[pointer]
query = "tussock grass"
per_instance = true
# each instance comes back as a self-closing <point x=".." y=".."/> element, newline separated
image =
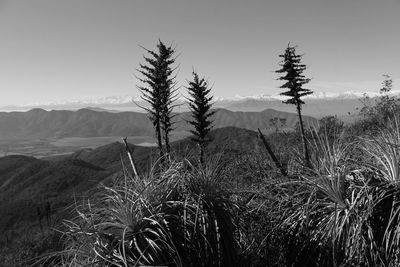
<point x="384" y="152"/>
<point x="180" y="216"/>
<point x="343" y="210"/>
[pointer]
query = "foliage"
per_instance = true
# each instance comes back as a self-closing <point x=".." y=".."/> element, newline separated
<point x="294" y="79"/>
<point x="342" y="213"/>
<point x="174" y="218"/>
<point x="378" y="113"/>
<point x="159" y="91"/>
<point x="277" y="123"/>
<point x="331" y="127"/>
<point x="384" y="152"/>
<point x="200" y="106"/>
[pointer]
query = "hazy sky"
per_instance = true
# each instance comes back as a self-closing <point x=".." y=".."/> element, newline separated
<point x="55" y="50"/>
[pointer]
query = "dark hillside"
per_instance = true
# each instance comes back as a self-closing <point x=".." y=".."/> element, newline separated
<point x="109" y="156"/>
<point x="27" y="182"/>
<point x="227" y="139"/>
<point x="24" y="177"/>
<point x="44" y="179"/>
<point x="10" y="164"/>
<point x="32" y="184"/>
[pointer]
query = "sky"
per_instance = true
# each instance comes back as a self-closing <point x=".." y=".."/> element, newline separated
<point x="62" y="50"/>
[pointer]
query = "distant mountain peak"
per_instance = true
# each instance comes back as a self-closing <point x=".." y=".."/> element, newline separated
<point x="316" y="95"/>
<point x="101" y="102"/>
<point x="316" y="104"/>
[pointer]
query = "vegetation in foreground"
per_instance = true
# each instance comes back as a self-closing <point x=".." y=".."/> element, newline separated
<point x="337" y="206"/>
<point x="342" y="211"/>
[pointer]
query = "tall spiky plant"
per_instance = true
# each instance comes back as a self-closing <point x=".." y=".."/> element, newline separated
<point x="159" y="91"/>
<point x="293" y="70"/>
<point x="200" y="106"/>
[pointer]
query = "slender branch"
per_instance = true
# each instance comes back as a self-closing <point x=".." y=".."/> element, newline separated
<point x="271" y="153"/>
<point x="129" y="152"/>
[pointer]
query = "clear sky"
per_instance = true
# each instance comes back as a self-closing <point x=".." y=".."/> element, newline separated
<point x="55" y="50"/>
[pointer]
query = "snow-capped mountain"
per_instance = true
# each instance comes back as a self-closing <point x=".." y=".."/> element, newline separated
<point x="317" y="95"/>
<point x="318" y="104"/>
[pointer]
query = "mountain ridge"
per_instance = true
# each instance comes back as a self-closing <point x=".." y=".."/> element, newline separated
<point x="39" y="123"/>
<point x="130" y="99"/>
<point x="317" y="105"/>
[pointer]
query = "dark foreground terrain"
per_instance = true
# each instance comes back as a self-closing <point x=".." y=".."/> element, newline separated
<point x="36" y="194"/>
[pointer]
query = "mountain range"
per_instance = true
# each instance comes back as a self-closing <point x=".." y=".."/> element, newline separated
<point x="39" y="123"/>
<point x="317" y="104"/>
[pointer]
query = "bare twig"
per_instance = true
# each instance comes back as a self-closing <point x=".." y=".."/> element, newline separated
<point x="271" y="153"/>
<point x="128" y="151"/>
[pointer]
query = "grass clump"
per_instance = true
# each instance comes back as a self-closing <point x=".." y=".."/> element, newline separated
<point x="177" y="217"/>
<point x="341" y="209"/>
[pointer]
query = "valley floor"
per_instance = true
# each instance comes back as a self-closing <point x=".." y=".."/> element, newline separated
<point x="41" y="148"/>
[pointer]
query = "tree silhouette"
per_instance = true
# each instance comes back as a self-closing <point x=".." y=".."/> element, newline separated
<point x="292" y="70"/>
<point x="200" y="106"/>
<point x="159" y="91"/>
